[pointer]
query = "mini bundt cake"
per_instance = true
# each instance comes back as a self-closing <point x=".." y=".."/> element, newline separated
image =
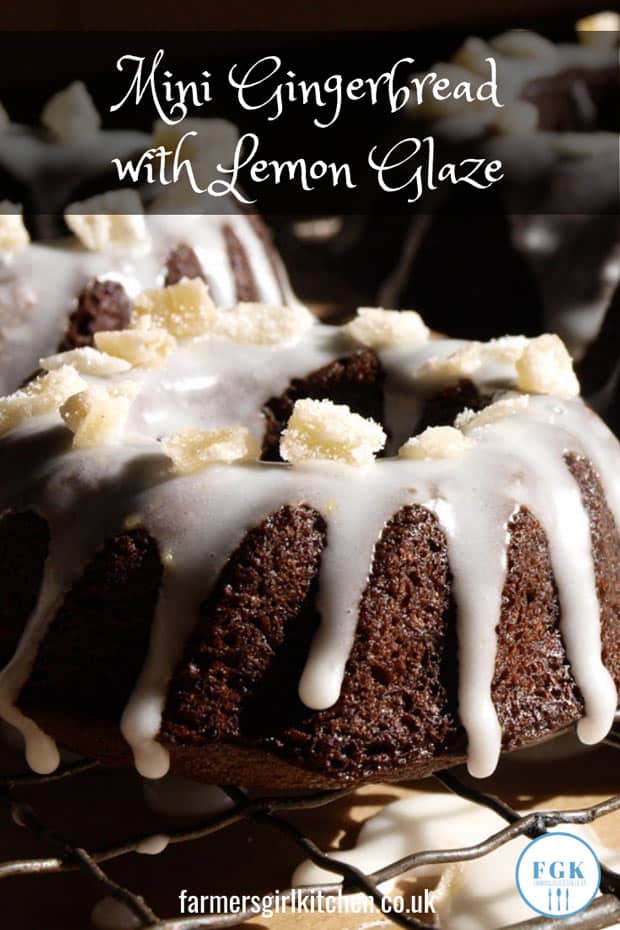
<point x="254" y="548"/>
<point x="545" y="240"/>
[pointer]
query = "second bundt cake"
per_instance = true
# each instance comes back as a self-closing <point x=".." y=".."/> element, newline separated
<point x="58" y="294"/>
<point x="543" y="243"/>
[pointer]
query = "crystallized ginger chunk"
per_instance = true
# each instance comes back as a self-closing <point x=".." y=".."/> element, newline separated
<point x="499" y="410"/>
<point x="460" y="364"/>
<point x="436" y="442"/>
<point x="13" y="234"/>
<point x="112" y="219"/>
<point x="320" y="429"/>
<point x="377" y="328"/>
<point x="545" y="367"/>
<point x="466" y="361"/>
<point x="263" y="324"/>
<point x="142" y="348"/>
<point x="70" y="115"/>
<point x="194" y="449"/>
<point x="43" y="395"/>
<point x="97" y="416"/>
<point x="506" y="349"/>
<point x="184" y="309"/>
<point x="87" y="361"/>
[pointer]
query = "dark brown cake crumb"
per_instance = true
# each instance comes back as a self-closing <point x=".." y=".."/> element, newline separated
<point x="182" y="262"/>
<point x="399" y="694"/>
<point x="606" y="552"/>
<point x="102" y="305"/>
<point x="93" y="652"/>
<point x="24" y="541"/>
<point x="245" y="283"/>
<point x="533" y="689"/>
<point x="355" y="380"/>
<point x="253" y="634"/>
<point x="241" y="670"/>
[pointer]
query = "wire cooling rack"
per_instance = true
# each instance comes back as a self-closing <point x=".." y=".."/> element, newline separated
<point x="271" y="812"/>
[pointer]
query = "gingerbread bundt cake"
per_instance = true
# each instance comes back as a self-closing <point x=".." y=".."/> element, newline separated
<point x="251" y="547"/>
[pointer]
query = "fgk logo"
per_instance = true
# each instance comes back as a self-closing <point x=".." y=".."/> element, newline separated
<point x="558" y="874"/>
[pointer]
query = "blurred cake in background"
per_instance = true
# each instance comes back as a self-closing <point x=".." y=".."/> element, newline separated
<point x="57" y="291"/>
<point x="541" y="252"/>
<point x="65" y="158"/>
<point x="554" y="224"/>
<point x="57" y="294"/>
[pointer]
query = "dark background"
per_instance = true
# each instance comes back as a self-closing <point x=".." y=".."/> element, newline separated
<point x="285" y="14"/>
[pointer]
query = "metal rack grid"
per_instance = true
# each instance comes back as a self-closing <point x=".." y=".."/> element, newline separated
<point x="270" y="812"/>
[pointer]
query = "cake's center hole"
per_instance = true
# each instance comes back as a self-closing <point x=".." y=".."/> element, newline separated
<point x="577" y="100"/>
